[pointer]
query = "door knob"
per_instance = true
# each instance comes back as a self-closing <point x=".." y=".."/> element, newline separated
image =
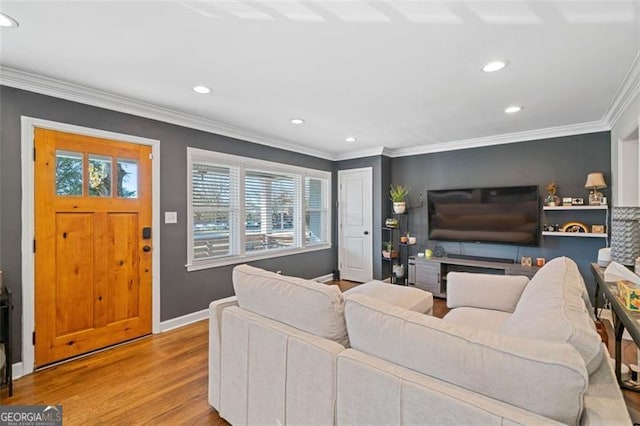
<point x="366" y="232"/>
<point x="146" y="248"/>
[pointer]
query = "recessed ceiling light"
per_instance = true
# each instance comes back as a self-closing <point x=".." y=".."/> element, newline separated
<point x="513" y="109"/>
<point x="7" y="21"/>
<point x="202" y="89"/>
<point x="351" y="139"/>
<point x="494" y="66"/>
<point x="297" y="121"/>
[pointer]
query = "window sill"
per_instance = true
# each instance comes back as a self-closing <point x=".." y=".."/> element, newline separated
<point x="235" y="260"/>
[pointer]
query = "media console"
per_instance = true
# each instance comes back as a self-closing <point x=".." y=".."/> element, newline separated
<point x="486" y="259"/>
<point x="430" y="273"/>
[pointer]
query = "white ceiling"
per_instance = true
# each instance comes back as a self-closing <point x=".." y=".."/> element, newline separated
<point x="404" y="75"/>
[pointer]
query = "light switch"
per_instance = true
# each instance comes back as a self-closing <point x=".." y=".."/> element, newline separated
<point x="170" y="217"/>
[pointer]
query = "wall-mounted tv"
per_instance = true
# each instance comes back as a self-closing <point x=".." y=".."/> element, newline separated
<point x="502" y="215"/>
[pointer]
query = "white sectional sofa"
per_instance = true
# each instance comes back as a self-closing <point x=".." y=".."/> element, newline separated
<point x="273" y="347"/>
<point x="511" y="351"/>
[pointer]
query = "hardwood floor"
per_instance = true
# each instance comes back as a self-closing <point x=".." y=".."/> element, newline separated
<point x="160" y="379"/>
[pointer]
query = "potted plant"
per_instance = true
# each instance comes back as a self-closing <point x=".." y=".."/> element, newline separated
<point x="388" y="252"/>
<point x="398" y="270"/>
<point x="552" y="199"/>
<point x="398" y="195"/>
<point x="411" y="240"/>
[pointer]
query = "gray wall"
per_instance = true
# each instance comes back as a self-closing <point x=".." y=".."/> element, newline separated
<point x="182" y="292"/>
<point x="566" y="160"/>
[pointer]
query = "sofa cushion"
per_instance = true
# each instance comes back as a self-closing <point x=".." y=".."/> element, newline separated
<point x="502" y="367"/>
<point x="306" y="305"/>
<point x="410" y="298"/>
<point x="487" y="319"/>
<point x="552" y="307"/>
<point x="498" y="292"/>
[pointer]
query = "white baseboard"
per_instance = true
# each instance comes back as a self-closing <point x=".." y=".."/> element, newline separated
<point x="17" y="370"/>
<point x="184" y="320"/>
<point x="324" y="278"/>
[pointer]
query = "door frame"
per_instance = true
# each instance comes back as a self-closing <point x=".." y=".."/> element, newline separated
<point x="28" y="125"/>
<point x="341" y="173"/>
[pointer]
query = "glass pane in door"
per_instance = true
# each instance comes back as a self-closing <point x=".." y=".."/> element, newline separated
<point x="99" y="176"/>
<point x="127" y="175"/>
<point x="68" y="173"/>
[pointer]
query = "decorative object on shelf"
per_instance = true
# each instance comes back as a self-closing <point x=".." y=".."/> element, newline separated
<point x="552" y="198"/>
<point x="398" y="195"/>
<point x="577" y="201"/>
<point x="398" y="270"/>
<point x="540" y="261"/>
<point x="574" y="227"/>
<point x="625" y="234"/>
<point x="412" y="240"/>
<point x="439" y="251"/>
<point x="567" y="201"/>
<point x="594" y="182"/>
<point x="404" y="239"/>
<point x="597" y="229"/>
<point x="388" y="252"/>
<point x="428" y="253"/>
<point x="391" y="222"/>
<point x="526" y="261"/>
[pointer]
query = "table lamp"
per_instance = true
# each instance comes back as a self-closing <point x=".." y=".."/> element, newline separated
<point x="594" y="182"/>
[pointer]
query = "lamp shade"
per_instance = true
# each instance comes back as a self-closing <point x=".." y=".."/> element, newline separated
<point x="595" y="181"/>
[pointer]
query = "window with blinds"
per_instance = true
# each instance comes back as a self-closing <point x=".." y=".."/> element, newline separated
<point x="316" y="215"/>
<point x="214" y="210"/>
<point x="243" y="208"/>
<point x="270" y="211"/>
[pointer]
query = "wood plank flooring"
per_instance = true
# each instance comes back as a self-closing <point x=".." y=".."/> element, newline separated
<point x="160" y="379"/>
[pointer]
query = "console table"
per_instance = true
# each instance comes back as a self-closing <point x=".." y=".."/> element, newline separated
<point x="430" y="273"/>
<point x="622" y="319"/>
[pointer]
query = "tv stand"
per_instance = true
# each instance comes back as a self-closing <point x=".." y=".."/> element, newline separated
<point x="482" y="258"/>
<point x="430" y="273"/>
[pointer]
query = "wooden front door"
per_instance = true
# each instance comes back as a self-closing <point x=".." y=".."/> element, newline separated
<point x="92" y="251"/>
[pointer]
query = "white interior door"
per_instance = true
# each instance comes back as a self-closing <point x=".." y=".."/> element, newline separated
<point x="355" y="224"/>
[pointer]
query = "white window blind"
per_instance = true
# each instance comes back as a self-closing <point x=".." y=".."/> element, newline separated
<point x="316" y="194"/>
<point x="241" y="209"/>
<point x="214" y="210"/>
<point x="270" y="211"/>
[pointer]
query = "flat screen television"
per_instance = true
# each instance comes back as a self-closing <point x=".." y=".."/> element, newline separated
<point x="502" y="215"/>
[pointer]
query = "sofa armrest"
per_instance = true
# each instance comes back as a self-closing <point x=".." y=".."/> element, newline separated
<point x="215" y="334"/>
<point x="486" y="291"/>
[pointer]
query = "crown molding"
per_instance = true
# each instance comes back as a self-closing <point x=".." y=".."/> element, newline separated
<point x="77" y="93"/>
<point x="361" y="153"/>
<point x="526" y="136"/>
<point x="628" y="90"/>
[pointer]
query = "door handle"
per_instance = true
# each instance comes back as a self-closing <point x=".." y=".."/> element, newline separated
<point x="146" y="248"/>
<point x="366" y="232"/>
